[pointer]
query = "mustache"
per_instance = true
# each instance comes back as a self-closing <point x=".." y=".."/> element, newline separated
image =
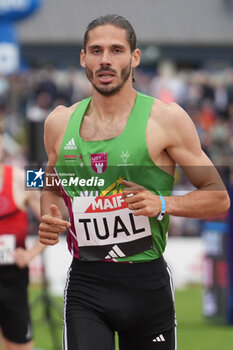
<point x="105" y="69"/>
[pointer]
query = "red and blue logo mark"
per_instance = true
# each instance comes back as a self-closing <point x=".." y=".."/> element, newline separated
<point x="35" y="178"/>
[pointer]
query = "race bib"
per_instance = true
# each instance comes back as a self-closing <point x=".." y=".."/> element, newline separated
<point x="107" y="229"/>
<point x="7" y="246"/>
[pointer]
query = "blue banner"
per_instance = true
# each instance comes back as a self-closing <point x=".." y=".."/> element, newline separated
<point x="12" y="11"/>
<point x="17" y="9"/>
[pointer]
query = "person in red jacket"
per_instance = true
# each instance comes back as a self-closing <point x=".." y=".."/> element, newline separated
<point x="15" y="324"/>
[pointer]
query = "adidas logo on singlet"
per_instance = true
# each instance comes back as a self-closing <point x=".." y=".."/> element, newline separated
<point x="70" y="145"/>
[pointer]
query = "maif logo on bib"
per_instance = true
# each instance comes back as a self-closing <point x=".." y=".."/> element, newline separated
<point x="99" y="162"/>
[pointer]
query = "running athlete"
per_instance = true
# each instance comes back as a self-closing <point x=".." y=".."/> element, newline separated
<point x="15" y="324"/>
<point x="113" y="157"/>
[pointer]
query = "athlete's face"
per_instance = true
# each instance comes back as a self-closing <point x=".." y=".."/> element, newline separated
<point x="108" y="59"/>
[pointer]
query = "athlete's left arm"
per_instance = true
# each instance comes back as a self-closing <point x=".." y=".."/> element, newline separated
<point x="24" y="256"/>
<point x="210" y="198"/>
<point x="182" y="144"/>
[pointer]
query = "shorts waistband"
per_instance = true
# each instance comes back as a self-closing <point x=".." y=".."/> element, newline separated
<point x="121" y="269"/>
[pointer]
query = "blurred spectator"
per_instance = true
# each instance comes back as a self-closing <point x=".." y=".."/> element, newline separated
<point x="220" y="98"/>
<point x="167" y="86"/>
<point x="207" y="115"/>
<point x="39" y="111"/>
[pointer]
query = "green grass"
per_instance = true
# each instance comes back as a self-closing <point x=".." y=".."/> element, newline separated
<point x="46" y="313"/>
<point x="194" y="332"/>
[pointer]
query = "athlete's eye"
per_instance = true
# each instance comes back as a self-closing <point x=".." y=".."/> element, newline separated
<point x="96" y="51"/>
<point x="117" y="51"/>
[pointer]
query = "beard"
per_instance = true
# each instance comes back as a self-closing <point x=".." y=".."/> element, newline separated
<point x="107" y="90"/>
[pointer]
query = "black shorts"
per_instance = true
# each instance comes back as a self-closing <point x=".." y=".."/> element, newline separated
<point x="14" y="309"/>
<point x="136" y="300"/>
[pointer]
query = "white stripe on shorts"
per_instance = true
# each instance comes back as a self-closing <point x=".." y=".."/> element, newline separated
<point x="173" y="297"/>
<point x="65" y="344"/>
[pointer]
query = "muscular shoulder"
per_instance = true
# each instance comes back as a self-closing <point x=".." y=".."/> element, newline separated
<point x="59" y="115"/>
<point x="55" y="126"/>
<point x="172" y="120"/>
<point x="164" y="113"/>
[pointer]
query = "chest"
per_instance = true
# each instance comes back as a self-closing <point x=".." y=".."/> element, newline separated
<point x="93" y="130"/>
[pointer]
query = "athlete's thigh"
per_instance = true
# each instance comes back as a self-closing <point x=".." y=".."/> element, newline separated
<point x="83" y="333"/>
<point x="85" y="304"/>
<point x="161" y="341"/>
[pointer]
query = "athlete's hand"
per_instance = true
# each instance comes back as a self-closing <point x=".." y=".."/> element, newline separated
<point x="22" y="257"/>
<point x="140" y="200"/>
<point x="51" y="226"/>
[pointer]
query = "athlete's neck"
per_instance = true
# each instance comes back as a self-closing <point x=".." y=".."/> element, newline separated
<point x="117" y="106"/>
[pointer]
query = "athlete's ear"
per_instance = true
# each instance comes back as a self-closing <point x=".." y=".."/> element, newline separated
<point x="83" y="59"/>
<point x="135" y="58"/>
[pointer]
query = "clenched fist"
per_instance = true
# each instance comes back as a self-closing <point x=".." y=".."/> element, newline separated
<point x="140" y="200"/>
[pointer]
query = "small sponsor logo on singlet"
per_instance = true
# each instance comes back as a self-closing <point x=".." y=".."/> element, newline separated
<point x="124" y="157"/>
<point x="99" y="162"/>
<point x="70" y="156"/>
<point x="74" y="157"/>
<point x="70" y="145"/>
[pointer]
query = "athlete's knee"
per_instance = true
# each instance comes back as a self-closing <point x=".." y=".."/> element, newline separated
<point x="9" y="345"/>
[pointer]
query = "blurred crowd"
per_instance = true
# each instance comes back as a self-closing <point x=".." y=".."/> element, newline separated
<point x="207" y="96"/>
<point x="26" y="98"/>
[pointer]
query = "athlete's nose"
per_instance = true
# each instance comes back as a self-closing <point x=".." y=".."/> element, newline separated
<point x="106" y="58"/>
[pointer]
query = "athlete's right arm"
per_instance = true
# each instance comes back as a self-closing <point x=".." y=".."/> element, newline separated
<point x="53" y="210"/>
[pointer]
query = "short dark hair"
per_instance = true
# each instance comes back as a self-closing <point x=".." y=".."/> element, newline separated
<point x="117" y="21"/>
